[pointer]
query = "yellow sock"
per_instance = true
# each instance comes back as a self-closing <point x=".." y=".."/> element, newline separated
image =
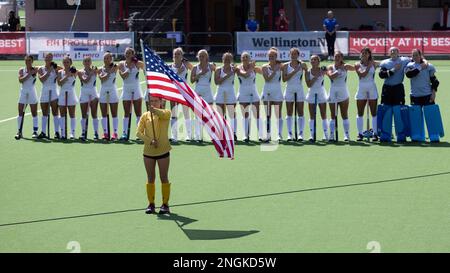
<point x="150" y="192"/>
<point x="165" y="188"/>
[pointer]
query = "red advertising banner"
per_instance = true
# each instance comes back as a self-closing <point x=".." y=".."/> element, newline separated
<point x="430" y="42"/>
<point x="12" y="43"/>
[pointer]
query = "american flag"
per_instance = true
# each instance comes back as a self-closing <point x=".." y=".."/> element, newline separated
<point x="163" y="82"/>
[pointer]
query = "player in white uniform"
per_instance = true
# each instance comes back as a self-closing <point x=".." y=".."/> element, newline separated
<point x="27" y="78"/>
<point x="293" y="74"/>
<point x="88" y="95"/>
<point x="339" y="94"/>
<point x="225" y="96"/>
<point x="108" y="95"/>
<point x="314" y="80"/>
<point x="129" y="71"/>
<point x="180" y="66"/>
<point x="66" y="78"/>
<point x="367" y="91"/>
<point x="272" y="94"/>
<point x="248" y="95"/>
<point x="47" y="75"/>
<point x="201" y="76"/>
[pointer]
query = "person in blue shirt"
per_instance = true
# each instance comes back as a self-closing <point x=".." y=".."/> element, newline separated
<point x="392" y="71"/>
<point x="251" y="24"/>
<point x="330" y="26"/>
<point x="424" y="83"/>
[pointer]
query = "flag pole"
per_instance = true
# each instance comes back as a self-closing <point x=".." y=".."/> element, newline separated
<point x="146" y="86"/>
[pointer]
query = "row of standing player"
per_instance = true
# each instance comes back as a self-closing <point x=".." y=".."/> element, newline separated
<point x="58" y="95"/>
<point x="273" y="72"/>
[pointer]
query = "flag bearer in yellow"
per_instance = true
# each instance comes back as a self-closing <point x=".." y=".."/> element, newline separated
<point x="153" y="130"/>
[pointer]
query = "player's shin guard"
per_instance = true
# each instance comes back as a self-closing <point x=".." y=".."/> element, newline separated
<point x="289" y="125"/>
<point x="374" y="125"/>
<point x="44" y="121"/>
<point x="360" y="124"/>
<point x="150" y="186"/>
<point x="35" y="124"/>
<point x="165" y="189"/>
<point x="332" y="128"/>
<point x="116" y="124"/>
<point x="325" y="127"/>
<point x="346" y="125"/>
<point x="19" y="121"/>
<point x="73" y="125"/>
<point x="105" y="125"/>
<point x="233" y="125"/>
<point x="62" y="126"/>
<point x="245" y="123"/>
<point x="83" y="125"/>
<point x="56" y="123"/>
<point x="188" y="125"/>
<point x="260" y="128"/>
<point x="174" y="127"/>
<point x="301" y="125"/>
<point x="95" y="124"/>
<point x="311" y="127"/>
<point x="125" y="125"/>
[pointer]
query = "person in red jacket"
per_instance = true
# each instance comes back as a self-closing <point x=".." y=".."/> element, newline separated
<point x="282" y="22"/>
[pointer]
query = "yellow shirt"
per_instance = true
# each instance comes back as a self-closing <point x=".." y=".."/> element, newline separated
<point x="161" y="120"/>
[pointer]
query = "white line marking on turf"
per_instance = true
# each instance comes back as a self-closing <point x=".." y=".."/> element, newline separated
<point x="27" y="114"/>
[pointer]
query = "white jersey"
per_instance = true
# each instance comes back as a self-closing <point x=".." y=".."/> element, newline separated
<point x="133" y="77"/>
<point x="228" y="83"/>
<point x="28" y="84"/>
<point x="247" y="89"/>
<point x="272" y="89"/>
<point x="205" y="79"/>
<point x="183" y="74"/>
<point x="69" y="84"/>
<point x="317" y="88"/>
<point x="295" y="82"/>
<point x="318" y="84"/>
<point x="341" y="79"/>
<point x="91" y="84"/>
<point x="370" y="77"/>
<point x="50" y="83"/>
<point x="110" y="82"/>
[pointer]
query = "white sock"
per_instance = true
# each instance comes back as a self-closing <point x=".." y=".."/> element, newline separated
<point x="138" y="118"/>
<point x="311" y="127"/>
<point x="233" y="125"/>
<point x="332" y="127"/>
<point x="289" y="125"/>
<point x="44" y="121"/>
<point x="83" y="125"/>
<point x="125" y="125"/>
<point x="374" y="124"/>
<point x="105" y="125"/>
<point x="280" y="127"/>
<point x="174" y="127"/>
<point x="346" y="124"/>
<point x="35" y="124"/>
<point x="325" y="127"/>
<point x="19" y="121"/>
<point x="62" y="126"/>
<point x="56" y="123"/>
<point x="188" y="127"/>
<point x="73" y="124"/>
<point x="245" y="122"/>
<point x="115" y="124"/>
<point x="95" y="124"/>
<point x="360" y="124"/>
<point x="301" y="125"/>
<point x="260" y="128"/>
<point x="197" y="128"/>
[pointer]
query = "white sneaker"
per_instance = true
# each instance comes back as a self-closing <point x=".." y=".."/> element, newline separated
<point x="187" y="139"/>
<point x="325" y="137"/>
<point x="289" y="138"/>
<point x="346" y="138"/>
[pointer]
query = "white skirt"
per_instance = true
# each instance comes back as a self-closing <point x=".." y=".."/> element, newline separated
<point x="205" y="92"/>
<point x="45" y="92"/>
<point x="338" y="94"/>
<point x="272" y="92"/>
<point x="291" y="90"/>
<point x="108" y="94"/>
<point x="72" y="99"/>
<point x="131" y="92"/>
<point x="28" y="96"/>
<point x="367" y="91"/>
<point x="321" y="95"/>
<point x="225" y="95"/>
<point x="88" y="94"/>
